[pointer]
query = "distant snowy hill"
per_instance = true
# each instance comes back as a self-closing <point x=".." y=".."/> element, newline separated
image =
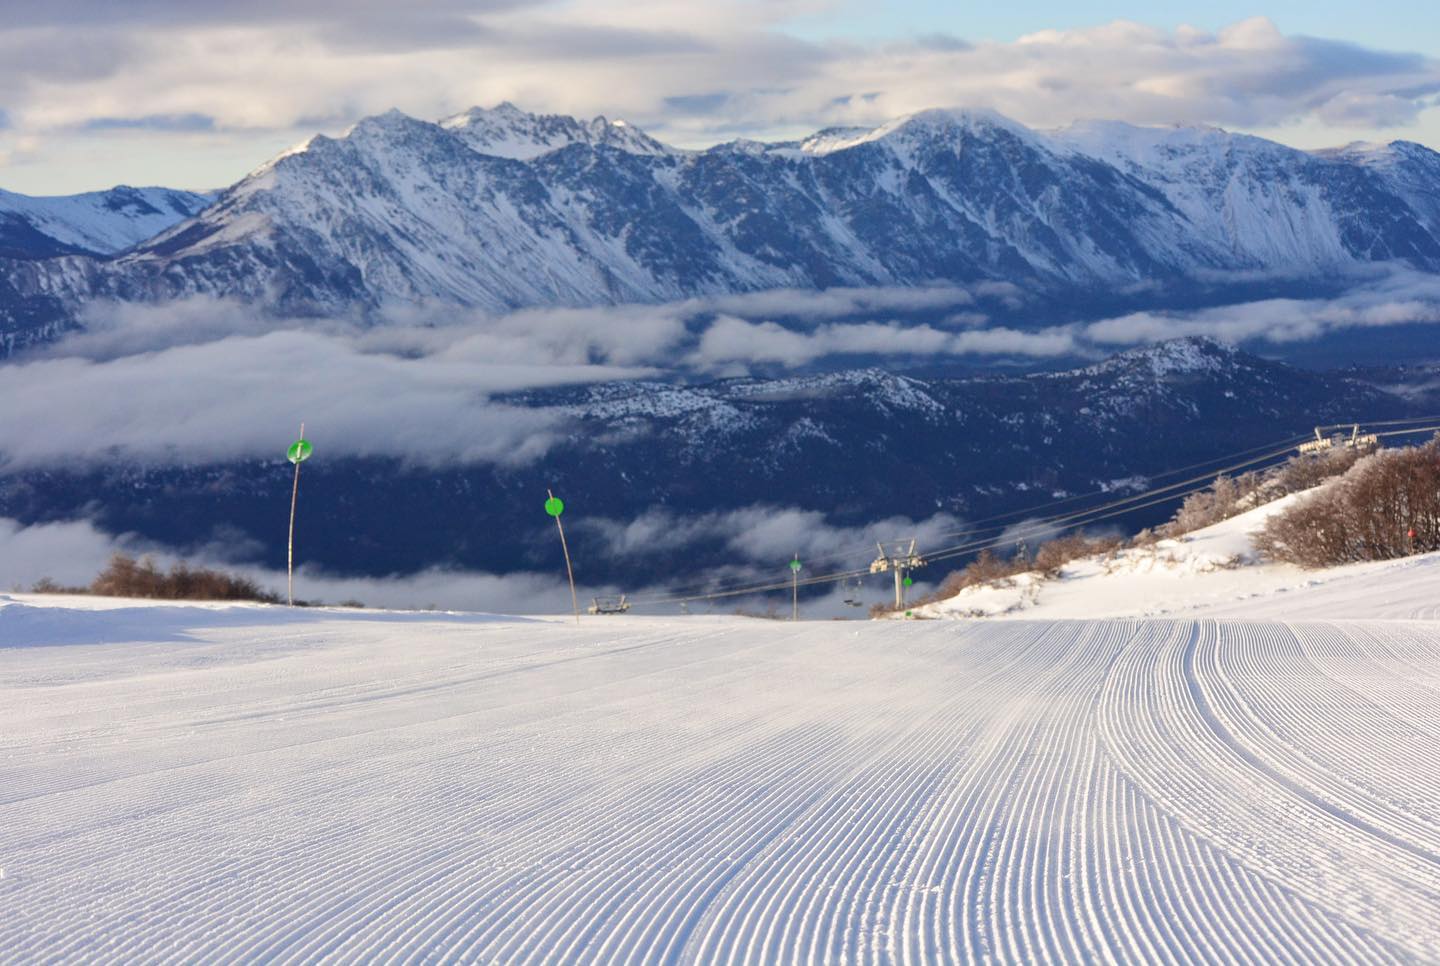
<point x="97" y="223"/>
<point x="500" y="208"/>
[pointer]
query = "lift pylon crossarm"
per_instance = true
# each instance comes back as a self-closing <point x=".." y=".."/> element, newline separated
<point x="1340" y="440"/>
<point x="609" y="605"/>
<point x="901" y="562"/>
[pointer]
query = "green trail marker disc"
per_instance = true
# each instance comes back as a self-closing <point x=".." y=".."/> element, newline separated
<point x="795" y="565"/>
<point x="299" y="451"/>
<point x="554" y="506"/>
<point x="908" y="581"/>
<point x="909" y="613"/>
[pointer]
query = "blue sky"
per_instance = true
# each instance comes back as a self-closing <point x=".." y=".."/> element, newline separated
<point x="1393" y="24"/>
<point x="94" y="92"/>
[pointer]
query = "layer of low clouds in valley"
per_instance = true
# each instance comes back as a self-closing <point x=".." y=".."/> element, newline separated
<point x="204" y="381"/>
<point x="71" y="553"/>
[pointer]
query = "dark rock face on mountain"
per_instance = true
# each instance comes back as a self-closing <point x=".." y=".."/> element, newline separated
<point x="857" y="446"/>
<point x="500" y="209"/>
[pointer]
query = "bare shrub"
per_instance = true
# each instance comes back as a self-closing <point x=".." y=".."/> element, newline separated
<point x="1145" y="538"/>
<point x="771" y="613"/>
<point x="987" y="568"/>
<point x="1311" y="469"/>
<point x="1206" y="507"/>
<point x="1367" y="514"/>
<point x="1228" y="496"/>
<point x="47" y="586"/>
<point x="126" y="577"/>
<point x="1054" y="554"/>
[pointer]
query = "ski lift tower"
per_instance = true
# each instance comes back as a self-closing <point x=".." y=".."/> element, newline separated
<point x="900" y="559"/>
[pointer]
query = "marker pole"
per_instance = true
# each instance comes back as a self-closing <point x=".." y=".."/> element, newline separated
<point x="569" y="571"/>
<point x="290" y="544"/>
<point x="795" y="588"/>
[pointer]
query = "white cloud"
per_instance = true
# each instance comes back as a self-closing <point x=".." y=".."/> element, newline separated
<point x="761" y="538"/>
<point x="845" y="302"/>
<point x="243" y="395"/>
<point x="730" y="340"/>
<point x="204" y="381"/>
<point x="70" y="552"/>
<point x="1398" y="298"/>
<point x="695" y="74"/>
<point x="768" y="536"/>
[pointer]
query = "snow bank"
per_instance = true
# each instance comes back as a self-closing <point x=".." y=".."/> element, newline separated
<point x="1213" y="571"/>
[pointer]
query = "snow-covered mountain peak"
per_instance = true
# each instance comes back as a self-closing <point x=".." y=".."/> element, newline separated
<point x="1149" y="147"/>
<point x="834" y="139"/>
<point x="1186" y="355"/>
<point x="962" y="118"/>
<point x="935" y="125"/>
<point x="507" y="131"/>
<point x="387" y="126"/>
<point x="262" y="177"/>
<point x="1376" y="154"/>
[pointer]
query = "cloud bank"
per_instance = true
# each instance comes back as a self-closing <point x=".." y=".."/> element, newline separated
<point x="1397" y="298"/>
<point x="203" y="381"/>
<point x="72" y="552"/>
<point x="214" y="73"/>
<point x="767" y="535"/>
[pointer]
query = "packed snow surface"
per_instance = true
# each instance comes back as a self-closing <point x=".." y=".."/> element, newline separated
<point x="207" y="784"/>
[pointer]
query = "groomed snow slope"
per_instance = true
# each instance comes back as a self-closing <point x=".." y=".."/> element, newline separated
<point x="254" y="784"/>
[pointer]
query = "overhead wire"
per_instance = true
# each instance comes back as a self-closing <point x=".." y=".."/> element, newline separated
<point x="973" y="531"/>
<point x="1138" y="501"/>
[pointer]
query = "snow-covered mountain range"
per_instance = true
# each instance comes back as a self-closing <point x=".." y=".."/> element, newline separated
<point x="500" y="208"/>
<point x="94" y="223"/>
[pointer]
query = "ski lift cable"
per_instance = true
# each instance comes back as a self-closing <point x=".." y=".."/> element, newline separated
<point x="1382" y="422"/>
<point x="1273" y="452"/>
<point x="972" y="530"/>
<point x="1154" y="477"/>
<point x="1073" y="519"/>
<point x="947" y="554"/>
<point x="943" y="554"/>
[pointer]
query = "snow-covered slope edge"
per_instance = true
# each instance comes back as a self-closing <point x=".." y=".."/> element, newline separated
<point x="1212" y="572"/>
